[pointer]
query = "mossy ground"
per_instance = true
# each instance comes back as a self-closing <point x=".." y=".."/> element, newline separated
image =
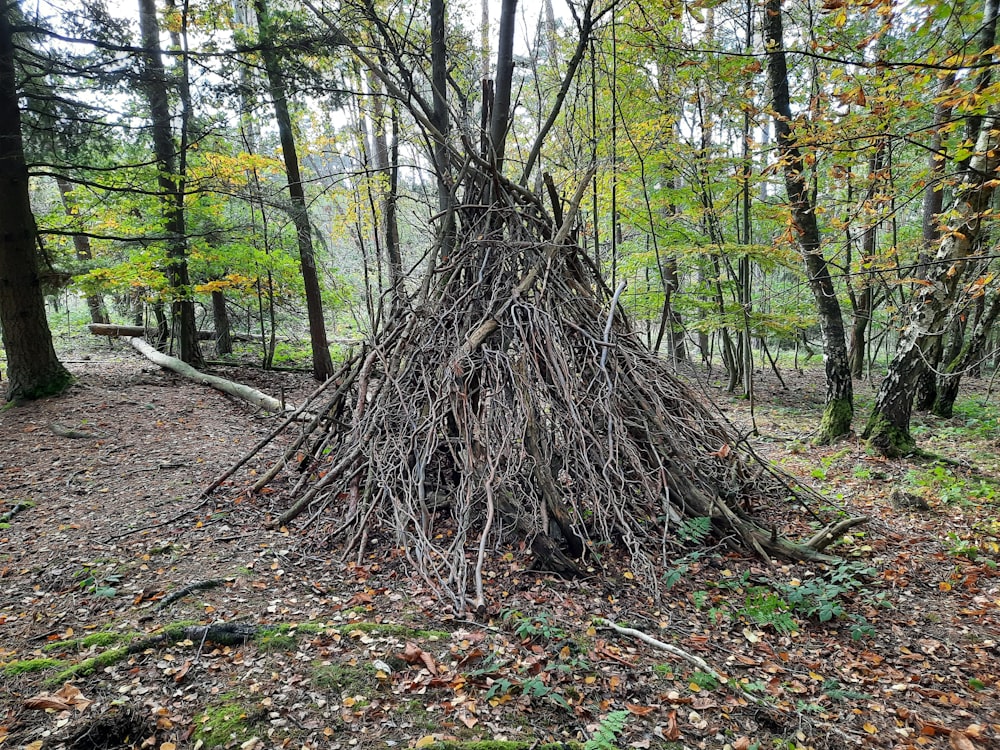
<point x="27" y="666"/>
<point x="229" y="722"/>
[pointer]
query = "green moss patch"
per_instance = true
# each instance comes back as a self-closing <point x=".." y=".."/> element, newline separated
<point x="502" y="745"/>
<point x="100" y="639"/>
<point x="346" y="678"/>
<point x="384" y="628"/>
<point x="91" y="665"/>
<point x="225" y="724"/>
<point x="15" y="668"/>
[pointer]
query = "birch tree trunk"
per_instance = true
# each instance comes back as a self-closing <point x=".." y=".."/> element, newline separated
<point x="888" y="428"/>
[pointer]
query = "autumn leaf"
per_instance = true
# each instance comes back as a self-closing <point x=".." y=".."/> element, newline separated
<point x="959" y="741"/>
<point x="413" y="654"/>
<point x="672" y="732"/>
<point x="639" y="710"/>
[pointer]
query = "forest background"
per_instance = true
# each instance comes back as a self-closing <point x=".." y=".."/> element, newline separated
<point x="747" y="185"/>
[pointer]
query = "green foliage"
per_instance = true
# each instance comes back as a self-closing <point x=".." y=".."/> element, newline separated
<point x="833" y="690"/>
<point x="767" y="609"/>
<point x="673" y="575"/>
<point x="941" y="482"/>
<point x="608" y="731"/>
<point x="539" y="627"/>
<point x="695" y="530"/>
<point x="703" y="680"/>
<point x="91" y="579"/>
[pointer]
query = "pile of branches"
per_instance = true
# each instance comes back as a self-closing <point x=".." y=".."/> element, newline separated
<point x="515" y="401"/>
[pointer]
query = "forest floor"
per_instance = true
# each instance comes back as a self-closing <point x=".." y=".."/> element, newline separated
<point x="896" y="647"/>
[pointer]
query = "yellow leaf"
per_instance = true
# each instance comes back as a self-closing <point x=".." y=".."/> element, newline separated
<point x="694" y="687"/>
<point x="870" y="728"/>
<point x="629" y="575"/>
<point x="944" y="586"/>
<point x="427" y="739"/>
<point x="168" y="746"/>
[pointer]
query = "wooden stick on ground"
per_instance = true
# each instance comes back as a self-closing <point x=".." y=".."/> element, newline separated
<point x="237" y="390"/>
<point x="697" y="661"/>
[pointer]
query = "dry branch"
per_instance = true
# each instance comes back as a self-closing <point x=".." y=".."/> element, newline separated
<point x="514" y="407"/>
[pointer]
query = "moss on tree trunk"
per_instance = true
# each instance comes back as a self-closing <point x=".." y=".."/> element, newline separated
<point x="888" y="439"/>
<point x="836" y="421"/>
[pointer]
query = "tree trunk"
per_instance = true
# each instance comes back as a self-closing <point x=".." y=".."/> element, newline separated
<point x="864" y="303"/>
<point x="386" y="164"/>
<point x="238" y="390"/>
<point x="839" y="409"/>
<point x="220" y="317"/>
<point x="504" y="79"/>
<point x="81" y="244"/>
<point x="321" y="360"/>
<point x="888" y="428"/>
<point x="966" y="359"/>
<point x="33" y="370"/>
<point x="933" y="203"/>
<point x="172" y="196"/>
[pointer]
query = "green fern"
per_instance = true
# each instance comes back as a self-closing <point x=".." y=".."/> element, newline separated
<point x="607" y="733"/>
<point x="766" y="608"/>
<point x="695" y="530"/>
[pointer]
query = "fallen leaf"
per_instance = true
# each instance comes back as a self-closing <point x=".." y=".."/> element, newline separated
<point x="182" y="672"/>
<point x="672" y="732"/>
<point x="45" y="702"/>
<point x="959" y="741"/>
<point x="639" y="710"/>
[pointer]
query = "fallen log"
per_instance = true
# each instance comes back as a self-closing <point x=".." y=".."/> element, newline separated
<point x="114" y="331"/>
<point x="237" y="390"/>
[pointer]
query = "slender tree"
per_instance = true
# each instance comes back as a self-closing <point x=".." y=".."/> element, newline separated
<point x="839" y="409"/>
<point x="322" y="363"/>
<point x="170" y="180"/>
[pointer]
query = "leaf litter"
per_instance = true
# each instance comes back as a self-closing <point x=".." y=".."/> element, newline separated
<point x="898" y="651"/>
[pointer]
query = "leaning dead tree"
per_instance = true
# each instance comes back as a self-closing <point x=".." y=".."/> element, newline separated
<point x="512" y="402"/>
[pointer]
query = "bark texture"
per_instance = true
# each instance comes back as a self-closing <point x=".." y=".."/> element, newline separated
<point x="33" y="370"/>
<point x="172" y="198"/>
<point x="839" y="409"/>
<point x="321" y="361"/>
<point x="888" y="428"/>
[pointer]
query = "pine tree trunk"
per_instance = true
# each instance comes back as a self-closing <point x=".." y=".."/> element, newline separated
<point x="81" y="243"/>
<point x="165" y="152"/>
<point x="220" y="317"/>
<point x="33" y="370"/>
<point x="839" y="409"/>
<point x="321" y="361"/>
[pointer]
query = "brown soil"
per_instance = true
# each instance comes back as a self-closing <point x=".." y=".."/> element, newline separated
<point x="373" y="659"/>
